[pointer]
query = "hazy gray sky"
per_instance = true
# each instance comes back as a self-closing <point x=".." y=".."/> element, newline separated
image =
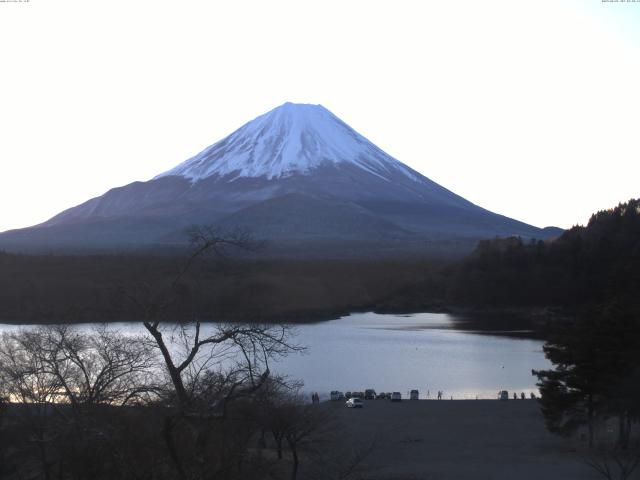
<point x="528" y="108"/>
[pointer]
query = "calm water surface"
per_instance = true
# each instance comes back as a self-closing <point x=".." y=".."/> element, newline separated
<point x="403" y="352"/>
<point x="422" y="351"/>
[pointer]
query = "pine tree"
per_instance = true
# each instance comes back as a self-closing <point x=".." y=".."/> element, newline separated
<point x="595" y="375"/>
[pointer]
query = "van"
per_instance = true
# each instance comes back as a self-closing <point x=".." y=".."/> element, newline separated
<point x="336" y="396"/>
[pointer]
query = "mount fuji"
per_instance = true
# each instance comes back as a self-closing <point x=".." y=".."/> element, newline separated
<point x="298" y="177"/>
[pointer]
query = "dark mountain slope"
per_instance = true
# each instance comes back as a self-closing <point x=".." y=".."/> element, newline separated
<point x="296" y="174"/>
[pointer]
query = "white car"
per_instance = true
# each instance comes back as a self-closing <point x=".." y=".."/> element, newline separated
<point x="336" y="396"/>
<point x="396" y="397"/>
<point x="354" y="402"/>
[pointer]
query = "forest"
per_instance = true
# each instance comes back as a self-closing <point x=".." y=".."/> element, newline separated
<point x="583" y="267"/>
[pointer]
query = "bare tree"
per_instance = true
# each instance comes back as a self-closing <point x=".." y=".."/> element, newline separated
<point x="615" y="463"/>
<point x="183" y="384"/>
<point x="3" y="445"/>
<point x="207" y="365"/>
<point x="307" y="437"/>
<point x="58" y="375"/>
<point x="238" y="353"/>
<point x="78" y="368"/>
<point x="305" y="422"/>
<point x="28" y="382"/>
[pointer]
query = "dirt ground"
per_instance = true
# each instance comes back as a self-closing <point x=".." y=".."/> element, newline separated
<point x="461" y="439"/>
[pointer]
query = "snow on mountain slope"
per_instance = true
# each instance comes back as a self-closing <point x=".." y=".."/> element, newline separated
<point x="297" y="176"/>
<point x="292" y="138"/>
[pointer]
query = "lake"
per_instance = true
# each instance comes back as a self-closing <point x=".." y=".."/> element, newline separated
<point x="425" y="351"/>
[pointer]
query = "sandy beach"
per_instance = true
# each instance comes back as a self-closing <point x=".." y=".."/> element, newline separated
<point x="461" y="439"/>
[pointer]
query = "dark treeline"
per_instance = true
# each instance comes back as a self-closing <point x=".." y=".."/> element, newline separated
<point x="54" y="289"/>
<point x="583" y="267"/>
<point x="591" y="275"/>
<point x="593" y="384"/>
<point x="593" y="388"/>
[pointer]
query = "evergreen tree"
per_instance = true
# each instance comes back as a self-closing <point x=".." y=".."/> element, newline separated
<point x="595" y="375"/>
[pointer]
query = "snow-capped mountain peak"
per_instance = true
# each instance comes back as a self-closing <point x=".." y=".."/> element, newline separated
<point x="298" y="177"/>
<point x="290" y="139"/>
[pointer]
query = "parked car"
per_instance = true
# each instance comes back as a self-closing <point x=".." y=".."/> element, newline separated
<point x="396" y="397"/>
<point x="336" y="395"/>
<point x="414" y="395"/>
<point x="354" y="402"/>
<point x="504" y="395"/>
<point x="369" y="394"/>
<point x="381" y="396"/>
<point x="359" y="395"/>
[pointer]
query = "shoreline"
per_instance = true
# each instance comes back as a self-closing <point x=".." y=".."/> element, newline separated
<point x="517" y="323"/>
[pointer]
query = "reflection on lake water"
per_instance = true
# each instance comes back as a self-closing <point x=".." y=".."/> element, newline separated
<point x="402" y="352"/>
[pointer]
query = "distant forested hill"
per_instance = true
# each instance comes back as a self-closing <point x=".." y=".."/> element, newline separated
<point x="585" y="266"/>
